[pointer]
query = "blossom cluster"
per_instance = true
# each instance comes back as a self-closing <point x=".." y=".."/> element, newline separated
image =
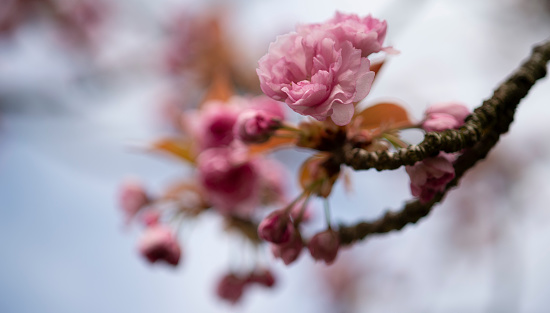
<point x="320" y="71"/>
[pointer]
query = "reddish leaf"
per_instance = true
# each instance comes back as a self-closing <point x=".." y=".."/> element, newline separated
<point x="384" y="115"/>
<point x="220" y="89"/>
<point x="305" y="172"/>
<point x="178" y="148"/>
<point x="271" y="144"/>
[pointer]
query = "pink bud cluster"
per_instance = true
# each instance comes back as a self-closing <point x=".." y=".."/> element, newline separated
<point x="280" y="228"/>
<point x="322" y="70"/>
<point x="432" y="175"/>
<point x="234" y="181"/>
<point x="231" y="286"/>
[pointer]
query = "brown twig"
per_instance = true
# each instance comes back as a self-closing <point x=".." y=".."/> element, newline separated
<point x="479" y="134"/>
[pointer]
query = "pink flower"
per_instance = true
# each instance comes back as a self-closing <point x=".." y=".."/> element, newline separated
<point x="268" y="105"/>
<point x="256" y="126"/>
<point x="159" y="243"/>
<point x="276" y="227"/>
<point x="316" y="75"/>
<point x="366" y="34"/>
<point x="230" y="180"/>
<point x="324" y="246"/>
<point x="231" y="287"/>
<point x="289" y="251"/>
<point x="150" y="217"/>
<point x="213" y="127"/>
<point x="132" y="198"/>
<point x="262" y="277"/>
<point x="442" y="116"/>
<point x="431" y="176"/>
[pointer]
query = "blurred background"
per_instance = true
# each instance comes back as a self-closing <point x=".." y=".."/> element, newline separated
<point x="84" y="85"/>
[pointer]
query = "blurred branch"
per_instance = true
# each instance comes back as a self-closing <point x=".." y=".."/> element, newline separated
<point x="478" y="136"/>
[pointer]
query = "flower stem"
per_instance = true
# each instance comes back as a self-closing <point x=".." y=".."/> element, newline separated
<point x="327" y="212"/>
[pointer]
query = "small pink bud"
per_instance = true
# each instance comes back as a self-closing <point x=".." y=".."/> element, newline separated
<point x="256" y="126"/>
<point x="132" y="198"/>
<point x="431" y="176"/>
<point x="276" y="227"/>
<point x="457" y="110"/>
<point x="263" y="277"/>
<point x="290" y="251"/>
<point x="442" y="116"/>
<point x="324" y="246"/>
<point x="439" y="122"/>
<point x="150" y="217"/>
<point x="159" y="243"/>
<point x="231" y="288"/>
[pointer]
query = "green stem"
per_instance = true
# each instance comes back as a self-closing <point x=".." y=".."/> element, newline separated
<point x="327" y="212"/>
<point x="395" y="141"/>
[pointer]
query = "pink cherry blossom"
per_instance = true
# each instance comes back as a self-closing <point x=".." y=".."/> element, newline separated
<point x="324" y="246"/>
<point x="365" y="33"/>
<point x="213" y="125"/>
<point x="159" y="243"/>
<point x="255" y="126"/>
<point x="132" y="198"/>
<point x="230" y="180"/>
<point x="276" y="227"/>
<point x="440" y="122"/>
<point x="262" y="277"/>
<point x="268" y="105"/>
<point x="150" y="217"/>
<point x="431" y="176"/>
<point x="442" y="116"/>
<point x="316" y="75"/>
<point x="289" y="251"/>
<point x="231" y="287"/>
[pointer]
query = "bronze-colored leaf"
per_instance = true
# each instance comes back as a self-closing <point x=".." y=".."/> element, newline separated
<point x="385" y="115"/>
<point x="178" y="148"/>
<point x="272" y="144"/>
<point x="221" y="88"/>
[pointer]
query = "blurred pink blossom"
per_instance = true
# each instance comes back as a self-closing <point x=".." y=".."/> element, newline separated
<point x="231" y="287"/>
<point x="159" y="243"/>
<point x="276" y="227"/>
<point x="256" y="126"/>
<point x="262" y="277"/>
<point x="132" y="198"/>
<point x="431" y="176"/>
<point x="289" y="251"/>
<point x="324" y="246"/>
<point x="230" y="180"/>
<point x="213" y="126"/>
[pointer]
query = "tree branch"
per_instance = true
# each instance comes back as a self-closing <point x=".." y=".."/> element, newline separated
<point x="478" y="136"/>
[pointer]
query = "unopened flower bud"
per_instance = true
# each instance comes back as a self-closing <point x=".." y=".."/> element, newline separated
<point x="132" y="198"/>
<point x="159" y="243"/>
<point x="324" y="246"/>
<point x="150" y="217"/>
<point x="256" y="126"/>
<point x="443" y="116"/>
<point x="290" y="251"/>
<point x="276" y="227"/>
<point x="431" y="176"/>
<point x="262" y="277"/>
<point x="231" y="287"/>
